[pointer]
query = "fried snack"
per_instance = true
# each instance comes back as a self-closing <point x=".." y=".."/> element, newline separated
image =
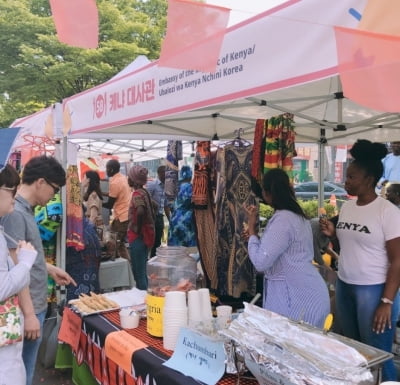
<point x="93" y="303"/>
<point x="82" y="307"/>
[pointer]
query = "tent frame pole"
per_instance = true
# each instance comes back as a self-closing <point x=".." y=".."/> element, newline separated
<point x="321" y="167"/>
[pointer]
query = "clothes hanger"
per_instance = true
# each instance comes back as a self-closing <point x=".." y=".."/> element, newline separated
<point x="239" y="141"/>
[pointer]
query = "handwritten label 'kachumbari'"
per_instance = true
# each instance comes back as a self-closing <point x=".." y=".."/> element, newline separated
<point x="198" y="356"/>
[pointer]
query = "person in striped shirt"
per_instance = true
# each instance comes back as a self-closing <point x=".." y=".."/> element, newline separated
<point x="293" y="287"/>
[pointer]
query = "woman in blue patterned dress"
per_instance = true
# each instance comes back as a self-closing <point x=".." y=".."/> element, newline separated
<point x="181" y="227"/>
<point x="293" y="287"/>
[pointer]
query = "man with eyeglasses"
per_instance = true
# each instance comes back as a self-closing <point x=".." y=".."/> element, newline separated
<point x="42" y="178"/>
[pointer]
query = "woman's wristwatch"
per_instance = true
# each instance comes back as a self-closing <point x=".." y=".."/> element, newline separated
<point x="386" y="300"/>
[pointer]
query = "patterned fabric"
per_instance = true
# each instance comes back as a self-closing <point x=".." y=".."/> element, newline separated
<point x="10" y="321"/>
<point x="182" y="230"/>
<point x="83" y="265"/>
<point x="280" y="140"/>
<point x="202" y="199"/>
<point x="205" y="235"/>
<point x="236" y="274"/>
<point x="74" y="210"/>
<point x="147" y="363"/>
<point x="141" y="198"/>
<point x="258" y="156"/>
<point x="49" y="248"/>
<point x="201" y="175"/>
<point x="174" y="152"/>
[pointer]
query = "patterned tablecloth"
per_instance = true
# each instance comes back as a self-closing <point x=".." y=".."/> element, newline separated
<point x="141" y="333"/>
<point x="146" y="363"/>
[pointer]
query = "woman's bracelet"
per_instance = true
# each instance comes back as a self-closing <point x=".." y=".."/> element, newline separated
<point x="386" y="300"/>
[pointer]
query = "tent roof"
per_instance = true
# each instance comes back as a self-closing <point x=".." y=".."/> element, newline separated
<point x="282" y="60"/>
<point x="315" y="105"/>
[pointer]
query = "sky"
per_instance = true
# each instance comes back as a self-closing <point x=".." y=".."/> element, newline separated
<point x="243" y="9"/>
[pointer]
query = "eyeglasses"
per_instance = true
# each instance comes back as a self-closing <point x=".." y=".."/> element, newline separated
<point x="13" y="190"/>
<point x="55" y="188"/>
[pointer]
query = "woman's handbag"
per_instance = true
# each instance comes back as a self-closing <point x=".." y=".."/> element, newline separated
<point x="10" y="321"/>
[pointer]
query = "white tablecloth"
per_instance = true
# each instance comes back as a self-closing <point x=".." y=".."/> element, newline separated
<point x="113" y="274"/>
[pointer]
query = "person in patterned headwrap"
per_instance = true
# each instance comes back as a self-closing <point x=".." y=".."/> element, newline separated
<point x="141" y="231"/>
<point x="182" y="228"/>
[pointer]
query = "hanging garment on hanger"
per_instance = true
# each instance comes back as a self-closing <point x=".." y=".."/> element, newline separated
<point x="257" y="162"/>
<point x="236" y="274"/>
<point x="204" y="210"/>
<point x="280" y="144"/>
<point x="174" y="150"/>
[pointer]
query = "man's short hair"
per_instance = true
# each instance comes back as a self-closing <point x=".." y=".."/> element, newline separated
<point x="114" y="165"/>
<point x="46" y="167"/>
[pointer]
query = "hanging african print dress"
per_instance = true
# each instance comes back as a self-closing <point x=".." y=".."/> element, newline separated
<point x="236" y="274"/>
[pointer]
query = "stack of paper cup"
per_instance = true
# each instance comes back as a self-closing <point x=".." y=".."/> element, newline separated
<point x="175" y="316"/>
<point x="224" y="316"/>
<point x="205" y="304"/>
<point x="194" y="309"/>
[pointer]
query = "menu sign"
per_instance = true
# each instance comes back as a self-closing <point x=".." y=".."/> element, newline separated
<point x="198" y="356"/>
<point x="70" y="329"/>
<point x="120" y="347"/>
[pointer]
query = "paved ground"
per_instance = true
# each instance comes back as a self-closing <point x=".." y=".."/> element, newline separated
<point x="52" y="376"/>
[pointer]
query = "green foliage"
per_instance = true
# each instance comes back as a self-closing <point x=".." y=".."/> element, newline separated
<point x="310" y="208"/>
<point x="36" y="69"/>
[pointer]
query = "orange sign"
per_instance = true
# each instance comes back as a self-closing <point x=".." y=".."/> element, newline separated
<point x="120" y="347"/>
<point x="70" y="329"/>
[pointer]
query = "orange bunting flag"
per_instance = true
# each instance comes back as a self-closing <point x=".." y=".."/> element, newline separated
<point x="369" y="68"/>
<point x="369" y="57"/>
<point x="381" y="16"/>
<point x="195" y="33"/>
<point x="77" y="22"/>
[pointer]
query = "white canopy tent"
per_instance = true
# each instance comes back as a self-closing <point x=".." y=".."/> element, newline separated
<point x="282" y="60"/>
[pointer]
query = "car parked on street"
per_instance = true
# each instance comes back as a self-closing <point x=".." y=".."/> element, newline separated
<point x="309" y="190"/>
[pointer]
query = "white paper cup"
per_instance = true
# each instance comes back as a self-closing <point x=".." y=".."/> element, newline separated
<point x="172" y="323"/>
<point x="175" y="299"/>
<point x="194" y="306"/>
<point x="223" y="322"/>
<point x="205" y="304"/>
<point x="129" y="320"/>
<point x="224" y="311"/>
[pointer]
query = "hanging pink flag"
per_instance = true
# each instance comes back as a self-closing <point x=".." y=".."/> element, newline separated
<point x="369" y="57"/>
<point x="77" y="22"/>
<point x="369" y="68"/>
<point x="195" y="32"/>
<point x="381" y="16"/>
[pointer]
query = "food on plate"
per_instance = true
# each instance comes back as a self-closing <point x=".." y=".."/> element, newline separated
<point x="93" y="303"/>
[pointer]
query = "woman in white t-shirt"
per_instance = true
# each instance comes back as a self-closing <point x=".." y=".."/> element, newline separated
<point x="368" y="230"/>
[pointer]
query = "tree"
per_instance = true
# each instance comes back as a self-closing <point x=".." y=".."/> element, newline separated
<point x="37" y="70"/>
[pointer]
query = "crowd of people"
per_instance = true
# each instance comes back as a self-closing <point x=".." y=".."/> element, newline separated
<point x="366" y="233"/>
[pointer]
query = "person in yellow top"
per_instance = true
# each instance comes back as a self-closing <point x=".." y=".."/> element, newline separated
<point x="119" y="195"/>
